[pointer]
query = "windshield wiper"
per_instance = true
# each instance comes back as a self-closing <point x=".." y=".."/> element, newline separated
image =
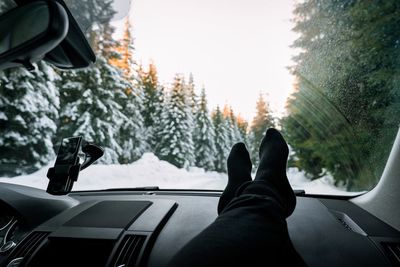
<point x="299" y="192"/>
<point x="143" y="188"/>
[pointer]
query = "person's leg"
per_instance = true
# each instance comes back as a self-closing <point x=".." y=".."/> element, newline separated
<point x="251" y="227"/>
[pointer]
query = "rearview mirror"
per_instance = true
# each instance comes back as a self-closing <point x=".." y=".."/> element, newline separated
<point x="30" y="31"/>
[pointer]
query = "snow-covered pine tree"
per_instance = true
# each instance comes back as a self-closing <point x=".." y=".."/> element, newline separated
<point x="239" y="135"/>
<point x="203" y="135"/>
<point x="153" y="104"/>
<point x="191" y="102"/>
<point x="90" y="108"/>
<point x="234" y="135"/>
<point x="243" y="130"/>
<point x="29" y="105"/>
<point x="222" y="145"/>
<point x="123" y="53"/>
<point x="261" y="122"/>
<point x="228" y="126"/>
<point x="91" y="14"/>
<point x="132" y="135"/>
<point x="176" y="144"/>
<point x="158" y="114"/>
<point x="192" y="97"/>
<point x="102" y="103"/>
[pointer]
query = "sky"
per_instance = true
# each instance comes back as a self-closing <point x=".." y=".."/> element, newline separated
<point x="236" y="49"/>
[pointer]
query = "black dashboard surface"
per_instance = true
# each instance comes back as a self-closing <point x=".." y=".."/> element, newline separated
<point x="326" y="232"/>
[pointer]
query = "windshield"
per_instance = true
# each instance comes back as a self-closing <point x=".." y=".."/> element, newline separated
<point x="177" y="83"/>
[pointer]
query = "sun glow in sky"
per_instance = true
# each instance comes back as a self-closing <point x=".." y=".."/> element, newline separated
<point x="237" y="49"/>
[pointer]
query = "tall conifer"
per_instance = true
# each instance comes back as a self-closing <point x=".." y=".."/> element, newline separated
<point x="222" y="145"/>
<point x="176" y="144"/>
<point x="261" y="122"/>
<point x="203" y="135"/>
<point x="29" y="105"/>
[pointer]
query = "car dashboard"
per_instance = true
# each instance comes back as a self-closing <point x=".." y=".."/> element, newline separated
<point x="146" y="228"/>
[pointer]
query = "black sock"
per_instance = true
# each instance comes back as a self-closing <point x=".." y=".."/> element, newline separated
<point x="272" y="169"/>
<point x="239" y="172"/>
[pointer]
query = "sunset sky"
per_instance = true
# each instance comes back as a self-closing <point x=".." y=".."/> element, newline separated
<point x="237" y="49"/>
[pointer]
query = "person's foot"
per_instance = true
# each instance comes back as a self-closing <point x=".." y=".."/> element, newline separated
<point x="272" y="169"/>
<point x="239" y="172"/>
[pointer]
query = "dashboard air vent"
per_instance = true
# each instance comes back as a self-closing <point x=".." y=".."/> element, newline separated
<point x="127" y="254"/>
<point x="393" y="252"/>
<point x="26" y="248"/>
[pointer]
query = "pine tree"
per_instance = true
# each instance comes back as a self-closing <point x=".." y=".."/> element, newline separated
<point x="243" y="130"/>
<point x="261" y="122"/>
<point x="176" y="144"/>
<point x="124" y="56"/>
<point x="90" y="108"/>
<point x="91" y="15"/>
<point x="203" y="135"/>
<point x="157" y="129"/>
<point x="29" y="105"/>
<point x="192" y="97"/>
<point x="132" y="135"/>
<point x="109" y="112"/>
<point x="226" y="112"/>
<point x="232" y="126"/>
<point x="153" y="104"/>
<point x="191" y="100"/>
<point x="222" y="145"/>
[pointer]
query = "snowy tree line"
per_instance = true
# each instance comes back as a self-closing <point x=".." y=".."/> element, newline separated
<point x="127" y="118"/>
<point x="117" y="104"/>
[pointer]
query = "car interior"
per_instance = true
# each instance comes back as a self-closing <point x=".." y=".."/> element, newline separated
<point x="147" y="226"/>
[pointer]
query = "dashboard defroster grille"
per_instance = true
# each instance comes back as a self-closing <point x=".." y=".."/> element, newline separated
<point x="26" y="248"/>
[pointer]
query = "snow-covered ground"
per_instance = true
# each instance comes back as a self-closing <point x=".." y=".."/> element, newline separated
<point x="150" y="171"/>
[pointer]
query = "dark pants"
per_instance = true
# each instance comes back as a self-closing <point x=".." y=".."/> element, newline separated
<point x="251" y="231"/>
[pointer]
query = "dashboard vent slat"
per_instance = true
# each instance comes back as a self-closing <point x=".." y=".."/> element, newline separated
<point x="393" y="252"/>
<point x="26" y="248"/>
<point x="128" y="251"/>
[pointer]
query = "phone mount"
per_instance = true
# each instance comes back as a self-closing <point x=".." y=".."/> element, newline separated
<point x="67" y="167"/>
